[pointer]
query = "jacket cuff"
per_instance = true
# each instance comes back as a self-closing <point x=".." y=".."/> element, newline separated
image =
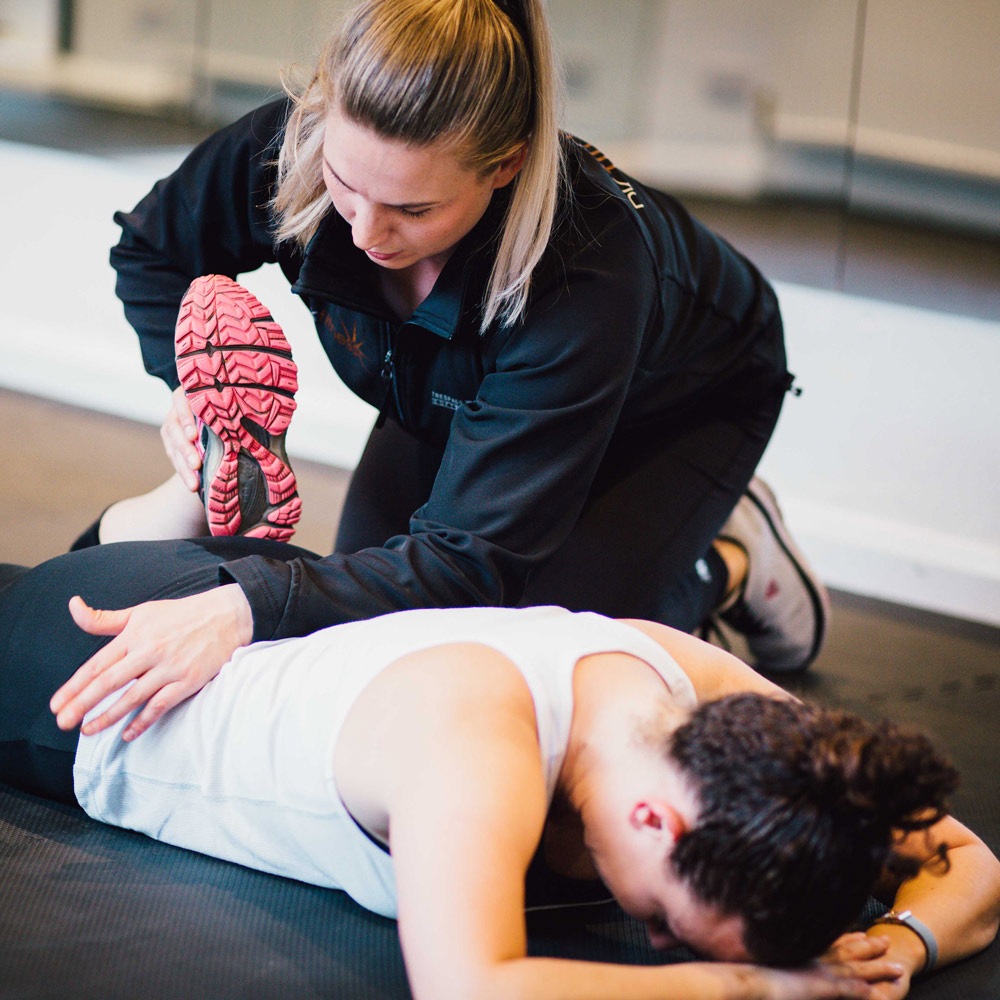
<point x="267" y="586"/>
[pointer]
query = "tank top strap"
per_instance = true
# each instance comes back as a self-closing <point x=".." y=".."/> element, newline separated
<point x="546" y="643"/>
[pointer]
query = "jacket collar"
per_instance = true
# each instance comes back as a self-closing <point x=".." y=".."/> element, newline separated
<point x="334" y="269"/>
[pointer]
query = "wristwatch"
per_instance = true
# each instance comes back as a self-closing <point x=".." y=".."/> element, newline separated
<point x="907" y="919"/>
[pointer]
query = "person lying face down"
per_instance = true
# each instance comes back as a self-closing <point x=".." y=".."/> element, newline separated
<point x="420" y="760"/>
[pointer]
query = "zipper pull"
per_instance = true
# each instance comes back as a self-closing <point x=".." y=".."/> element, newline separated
<point x="386" y="375"/>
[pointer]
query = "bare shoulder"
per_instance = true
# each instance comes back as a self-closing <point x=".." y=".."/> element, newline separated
<point x="447" y="682"/>
<point x="454" y="702"/>
<point x="713" y="672"/>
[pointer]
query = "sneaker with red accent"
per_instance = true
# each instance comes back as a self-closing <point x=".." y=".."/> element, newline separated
<point x="782" y="607"/>
<point x="238" y="375"/>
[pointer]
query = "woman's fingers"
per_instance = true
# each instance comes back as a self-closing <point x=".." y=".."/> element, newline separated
<point x="170" y="649"/>
<point x="92" y="683"/>
<point x="149" y="690"/>
<point x="64" y="701"/>
<point x="91" y="677"/>
<point x="863" y="956"/>
<point x="178" y="433"/>
<point x="856" y="946"/>
<point x="877" y="970"/>
<point x="167" y="698"/>
<point x="96" y="621"/>
<point x="185" y="416"/>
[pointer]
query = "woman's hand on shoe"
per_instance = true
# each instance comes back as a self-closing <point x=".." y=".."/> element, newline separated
<point x="179" y="432"/>
<point x="170" y="650"/>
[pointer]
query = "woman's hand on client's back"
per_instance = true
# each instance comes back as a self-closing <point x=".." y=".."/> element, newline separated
<point x="171" y="649"/>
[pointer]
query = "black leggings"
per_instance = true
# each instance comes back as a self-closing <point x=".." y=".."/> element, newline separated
<point x="41" y="646"/>
<point x="642" y="545"/>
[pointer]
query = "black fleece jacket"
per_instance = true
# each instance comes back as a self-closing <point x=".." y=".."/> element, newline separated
<point x="635" y="312"/>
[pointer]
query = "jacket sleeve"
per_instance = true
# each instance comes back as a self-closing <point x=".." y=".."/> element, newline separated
<point x="518" y="466"/>
<point x="209" y="217"/>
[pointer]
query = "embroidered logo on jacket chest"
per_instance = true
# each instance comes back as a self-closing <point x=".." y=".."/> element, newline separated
<point x="349" y="340"/>
<point x="445" y="401"/>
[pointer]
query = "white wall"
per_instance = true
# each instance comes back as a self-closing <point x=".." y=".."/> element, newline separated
<point x="889" y="463"/>
<point x="887" y="466"/>
<point x="64" y="334"/>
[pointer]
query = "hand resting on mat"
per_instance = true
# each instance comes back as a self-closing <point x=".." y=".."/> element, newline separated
<point x="171" y="649"/>
<point x="869" y="958"/>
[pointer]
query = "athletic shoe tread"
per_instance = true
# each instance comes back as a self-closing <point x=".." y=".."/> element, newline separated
<point x="237" y="371"/>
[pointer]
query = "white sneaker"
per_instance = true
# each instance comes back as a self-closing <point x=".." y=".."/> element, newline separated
<point x="782" y="608"/>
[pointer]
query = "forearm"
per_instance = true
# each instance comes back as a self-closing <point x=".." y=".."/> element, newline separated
<point x="301" y="596"/>
<point x="961" y="907"/>
<point x="556" y="979"/>
<point x="566" y="979"/>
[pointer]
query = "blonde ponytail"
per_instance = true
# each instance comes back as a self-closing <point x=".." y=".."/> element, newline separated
<point x="476" y="73"/>
<point x="531" y="215"/>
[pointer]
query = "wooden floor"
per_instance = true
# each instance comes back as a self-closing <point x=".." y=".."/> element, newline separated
<point x="66" y="465"/>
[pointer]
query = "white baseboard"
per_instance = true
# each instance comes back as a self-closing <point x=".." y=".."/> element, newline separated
<point x="878" y="557"/>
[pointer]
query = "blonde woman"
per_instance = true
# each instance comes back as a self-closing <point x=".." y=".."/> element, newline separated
<point x="432" y="762"/>
<point x="575" y="379"/>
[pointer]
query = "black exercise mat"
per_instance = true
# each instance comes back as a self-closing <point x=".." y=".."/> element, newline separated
<point x="88" y="912"/>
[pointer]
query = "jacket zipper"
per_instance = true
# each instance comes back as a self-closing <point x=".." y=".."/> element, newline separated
<point x="388" y="376"/>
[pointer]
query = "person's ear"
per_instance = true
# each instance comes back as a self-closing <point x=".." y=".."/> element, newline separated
<point x="657" y="818"/>
<point x="510" y="167"/>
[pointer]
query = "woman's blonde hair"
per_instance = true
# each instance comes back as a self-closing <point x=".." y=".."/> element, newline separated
<point x="477" y="74"/>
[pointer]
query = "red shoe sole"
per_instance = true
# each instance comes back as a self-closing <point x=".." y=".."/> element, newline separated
<point x="237" y="371"/>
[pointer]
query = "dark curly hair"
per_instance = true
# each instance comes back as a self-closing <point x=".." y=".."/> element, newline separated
<point x="798" y="808"/>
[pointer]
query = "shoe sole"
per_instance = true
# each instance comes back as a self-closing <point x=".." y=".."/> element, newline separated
<point x="238" y="375"/>
<point x="767" y="504"/>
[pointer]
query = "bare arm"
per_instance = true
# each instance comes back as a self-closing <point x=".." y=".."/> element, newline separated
<point x="461" y="847"/>
<point x="959" y="902"/>
<point x="713" y="672"/>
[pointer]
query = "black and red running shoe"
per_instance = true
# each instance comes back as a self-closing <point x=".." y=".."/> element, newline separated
<point x="238" y="374"/>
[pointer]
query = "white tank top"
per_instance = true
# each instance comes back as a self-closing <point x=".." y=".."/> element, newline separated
<point x="244" y="770"/>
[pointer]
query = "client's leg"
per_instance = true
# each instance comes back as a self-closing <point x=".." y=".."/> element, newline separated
<point x="170" y="510"/>
<point x="41" y="647"/>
